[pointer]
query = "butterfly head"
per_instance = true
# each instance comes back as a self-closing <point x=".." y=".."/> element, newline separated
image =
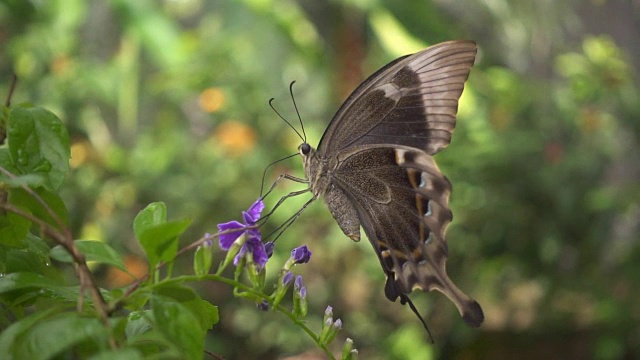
<point x="308" y="156"/>
<point x="305" y="149"/>
<point x="314" y="169"/>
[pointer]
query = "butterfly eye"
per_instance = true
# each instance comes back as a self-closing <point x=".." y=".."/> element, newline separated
<point x="305" y="149"/>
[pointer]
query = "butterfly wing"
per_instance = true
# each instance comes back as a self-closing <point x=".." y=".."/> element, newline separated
<point x="380" y="173"/>
<point x="412" y="101"/>
<point x="402" y="202"/>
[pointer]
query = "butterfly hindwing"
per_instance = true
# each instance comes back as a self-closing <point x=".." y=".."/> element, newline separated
<point x="402" y="202"/>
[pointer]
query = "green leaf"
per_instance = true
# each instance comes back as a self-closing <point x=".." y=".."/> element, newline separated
<point x="202" y="259"/>
<point x="127" y="353"/>
<point x="176" y="323"/>
<point x="38" y="144"/>
<point x="51" y="337"/>
<point x="93" y="250"/>
<point x="160" y="242"/>
<point x="7" y="164"/>
<point x="140" y="334"/>
<point x="37" y="246"/>
<point x="138" y="323"/>
<point x="23" y="286"/>
<point x="206" y="312"/>
<point x="31" y="256"/>
<point x="154" y="214"/>
<point x="21" y="280"/>
<point x="18" y="329"/>
<point x="28" y="202"/>
<point x="13" y="229"/>
<point x="32" y="180"/>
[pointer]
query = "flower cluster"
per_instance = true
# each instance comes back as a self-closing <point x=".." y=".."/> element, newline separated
<point x="244" y="246"/>
<point x="251" y="243"/>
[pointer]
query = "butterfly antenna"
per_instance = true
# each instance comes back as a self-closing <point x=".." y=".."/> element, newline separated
<point x="285" y="120"/>
<point x="297" y="112"/>
<point x="264" y="174"/>
<point x="405" y="299"/>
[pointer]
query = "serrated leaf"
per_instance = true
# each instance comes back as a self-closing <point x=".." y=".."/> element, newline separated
<point x="160" y="242"/>
<point x="176" y="323"/>
<point x="38" y="144"/>
<point x="152" y="215"/>
<point x="206" y="312"/>
<point x="53" y="336"/>
<point x="93" y="250"/>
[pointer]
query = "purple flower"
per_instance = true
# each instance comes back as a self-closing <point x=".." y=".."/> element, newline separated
<point x="301" y="255"/>
<point x="253" y="246"/>
<point x="287" y="278"/>
<point x="207" y="243"/>
<point x="337" y="324"/>
<point x="268" y="248"/>
<point x="299" y="287"/>
<point x="328" y="312"/>
<point x="253" y="243"/>
<point x="263" y="305"/>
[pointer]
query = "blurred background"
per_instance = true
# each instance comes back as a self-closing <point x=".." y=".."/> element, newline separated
<point x="166" y="100"/>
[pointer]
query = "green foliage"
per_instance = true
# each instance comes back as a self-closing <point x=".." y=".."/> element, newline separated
<point x="158" y="237"/>
<point x="48" y="316"/>
<point x="38" y="145"/>
<point x="93" y="251"/>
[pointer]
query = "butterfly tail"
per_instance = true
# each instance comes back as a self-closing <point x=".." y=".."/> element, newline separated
<point x="424" y="266"/>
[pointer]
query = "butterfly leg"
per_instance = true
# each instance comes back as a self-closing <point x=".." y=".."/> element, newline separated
<point x="284" y="176"/>
<point x="282" y="200"/>
<point x="281" y="229"/>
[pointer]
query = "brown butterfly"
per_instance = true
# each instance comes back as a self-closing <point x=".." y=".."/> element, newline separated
<point x="374" y="167"/>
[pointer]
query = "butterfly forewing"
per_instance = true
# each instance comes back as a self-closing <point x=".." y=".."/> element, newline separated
<point x="413" y="102"/>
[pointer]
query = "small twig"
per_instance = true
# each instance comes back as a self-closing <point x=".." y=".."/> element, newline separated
<point x="214" y="355"/>
<point x="14" y="81"/>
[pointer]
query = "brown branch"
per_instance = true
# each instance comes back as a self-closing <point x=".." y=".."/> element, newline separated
<point x="40" y="200"/>
<point x="84" y="274"/>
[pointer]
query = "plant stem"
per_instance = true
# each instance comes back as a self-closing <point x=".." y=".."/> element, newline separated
<point x="256" y="295"/>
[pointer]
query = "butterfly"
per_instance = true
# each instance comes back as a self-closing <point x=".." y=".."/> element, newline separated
<point x="374" y="167"/>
